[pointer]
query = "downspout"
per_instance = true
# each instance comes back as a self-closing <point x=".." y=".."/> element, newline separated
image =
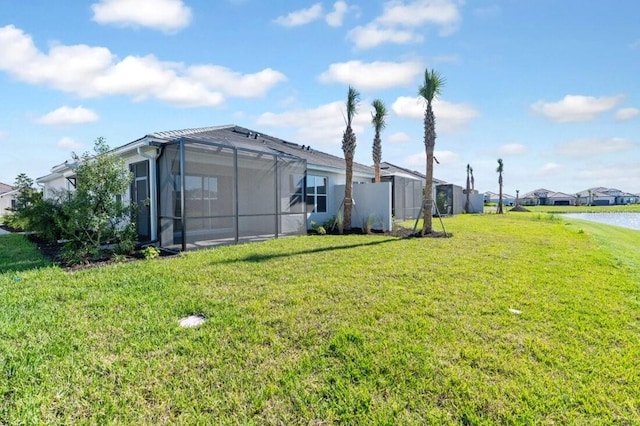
<point x="153" y="189"/>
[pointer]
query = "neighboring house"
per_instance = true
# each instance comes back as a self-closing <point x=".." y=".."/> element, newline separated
<point x="8" y="196"/>
<point x="538" y="197"/>
<point x="600" y="196"/>
<point x="226" y="184"/>
<point x="492" y="197"/>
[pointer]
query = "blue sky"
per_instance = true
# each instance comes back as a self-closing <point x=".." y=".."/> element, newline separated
<point x="549" y="86"/>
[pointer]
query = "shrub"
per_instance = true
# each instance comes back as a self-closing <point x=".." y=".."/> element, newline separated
<point x="150" y="252"/>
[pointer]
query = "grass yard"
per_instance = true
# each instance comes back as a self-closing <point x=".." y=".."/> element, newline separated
<point x="517" y="319"/>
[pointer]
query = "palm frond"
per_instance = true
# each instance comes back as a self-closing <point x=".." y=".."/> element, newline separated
<point x="432" y="85"/>
<point x="353" y="99"/>
<point x="379" y="116"/>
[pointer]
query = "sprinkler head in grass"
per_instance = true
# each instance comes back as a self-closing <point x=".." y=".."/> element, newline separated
<point x="192" y="321"/>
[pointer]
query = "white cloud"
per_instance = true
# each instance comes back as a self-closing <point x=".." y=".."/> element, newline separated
<point x="372" y="75"/>
<point x="372" y="35"/>
<point x="300" y="17"/>
<point x="164" y="15"/>
<point x="94" y="71"/>
<point x="234" y="83"/>
<point x="443" y="13"/>
<point x="418" y="161"/>
<point x="574" y="108"/>
<point x="335" y="18"/>
<point x="550" y="169"/>
<point x="68" y="143"/>
<point x="594" y="147"/>
<point x="400" y="21"/>
<point x="627" y="114"/>
<point x="398" y="138"/>
<point x="450" y="117"/>
<point x="322" y="125"/>
<point x="513" y="149"/>
<point x="68" y="115"/>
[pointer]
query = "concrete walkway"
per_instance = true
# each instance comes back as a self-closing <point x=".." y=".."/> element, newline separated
<point x="3" y="232"/>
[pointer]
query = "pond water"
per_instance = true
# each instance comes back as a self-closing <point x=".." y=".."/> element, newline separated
<point x="626" y="220"/>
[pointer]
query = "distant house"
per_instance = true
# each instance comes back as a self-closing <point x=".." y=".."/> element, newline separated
<point x="601" y="196"/>
<point x="8" y="196"/>
<point x="492" y="197"/>
<point x="228" y="184"/>
<point x="545" y="197"/>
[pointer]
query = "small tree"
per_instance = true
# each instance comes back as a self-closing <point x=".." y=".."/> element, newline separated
<point x="94" y="215"/>
<point x="21" y="217"/>
<point x="349" y="149"/>
<point x="467" y="206"/>
<point x="499" y="170"/>
<point x="429" y="91"/>
<point x="379" y="121"/>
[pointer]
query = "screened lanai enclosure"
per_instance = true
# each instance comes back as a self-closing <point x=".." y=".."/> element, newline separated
<point x="213" y="193"/>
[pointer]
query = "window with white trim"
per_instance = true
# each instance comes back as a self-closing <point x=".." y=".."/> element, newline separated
<point x="316" y="194"/>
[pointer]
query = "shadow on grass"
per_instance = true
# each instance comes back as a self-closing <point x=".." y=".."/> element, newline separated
<point x="256" y="258"/>
<point x="18" y="254"/>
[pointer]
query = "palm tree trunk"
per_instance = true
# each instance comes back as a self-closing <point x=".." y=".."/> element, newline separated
<point x="427" y="227"/>
<point x="429" y="145"/>
<point x="348" y="191"/>
<point x="500" y="195"/>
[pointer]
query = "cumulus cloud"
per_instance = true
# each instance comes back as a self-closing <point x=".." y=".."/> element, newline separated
<point x="300" y="17"/>
<point x="335" y="18"/>
<point x="88" y="72"/>
<point x="68" y="115"/>
<point x="398" y="137"/>
<point x="419" y="160"/>
<point x="625" y="114"/>
<point x="450" y="117"/>
<point x="513" y="149"/>
<point x="372" y="35"/>
<point x="400" y="22"/>
<point x="164" y="15"/>
<point x="549" y="168"/>
<point x="594" y="147"/>
<point x="372" y="75"/>
<point x="322" y="125"/>
<point x="68" y="144"/>
<point x="576" y="108"/>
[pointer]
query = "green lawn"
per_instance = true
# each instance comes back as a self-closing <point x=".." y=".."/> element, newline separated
<point x="517" y="319"/>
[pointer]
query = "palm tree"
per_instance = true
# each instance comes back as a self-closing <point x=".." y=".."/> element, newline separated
<point x="349" y="149"/>
<point x="473" y="182"/>
<point x="467" y="206"/>
<point x="428" y="91"/>
<point x="379" y="121"/>
<point x="500" y="169"/>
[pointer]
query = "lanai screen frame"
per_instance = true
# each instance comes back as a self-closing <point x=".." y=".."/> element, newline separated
<point x="287" y="207"/>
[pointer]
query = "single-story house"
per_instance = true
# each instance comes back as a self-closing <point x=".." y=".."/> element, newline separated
<point x="545" y="197"/>
<point x="492" y="197"/>
<point x="8" y="196"/>
<point x="601" y="196"/>
<point x="228" y="184"/>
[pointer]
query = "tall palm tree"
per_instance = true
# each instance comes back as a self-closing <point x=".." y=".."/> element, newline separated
<point x="467" y="206"/>
<point x="500" y="169"/>
<point x="349" y="149"/>
<point x="379" y="121"/>
<point x="428" y="91"/>
<point x="473" y="181"/>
